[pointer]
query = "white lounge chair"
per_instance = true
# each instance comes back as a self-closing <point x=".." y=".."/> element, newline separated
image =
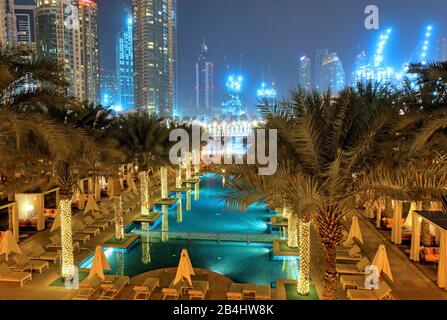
<point x="384" y="292"/>
<point x="88" y="288"/>
<point x="235" y="292"/>
<point x="92" y="223"/>
<point x="80" y="228"/>
<point x="263" y="292"/>
<point x="174" y="291"/>
<point x="199" y="290"/>
<point x="111" y="290"/>
<point x="23" y="263"/>
<point x="108" y="218"/>
<point x="56" y="243"/>
<point x="356" y="269"/>
<point x="37" y="252"/>
<point x="145" y="291"/>
<point x="6" y="275"/>
<point x="354" y="254"/>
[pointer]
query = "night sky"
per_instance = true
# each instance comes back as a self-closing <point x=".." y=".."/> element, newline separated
<point x="272" y="35"/>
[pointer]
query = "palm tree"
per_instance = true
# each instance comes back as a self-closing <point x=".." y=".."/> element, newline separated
<point x="145" y="139"/>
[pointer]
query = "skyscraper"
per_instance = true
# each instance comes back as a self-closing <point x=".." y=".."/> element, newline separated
<point x="332" y="74"/>
<point x="88" y="18"/>
<point x="204" y="84"/>
<point x="155" y="50"/>
<point x="304" y="74"/>
<point x="68" y="34"/>
<point x="442" y="49"/>
<point x="26" y="33"/>
<point x="319" y="58"/>
<point x="8" y="29"/>
<point x="234" y="100"/>
<point x="109" y="90"/>
<point x="266" y="95"/>
<point x="125" y="66"/>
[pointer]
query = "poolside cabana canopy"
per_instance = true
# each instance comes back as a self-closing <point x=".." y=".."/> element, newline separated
<point x="9" y="245"/>
<point x="13" y="218"/>
<point x="439" y="220"/>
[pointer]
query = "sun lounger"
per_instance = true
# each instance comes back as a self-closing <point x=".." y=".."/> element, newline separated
<point x="352" y="255"/>
<point x="107" y="218"/>
<point x="81" y="237"/>
<point x="6" y="275"/>
<point x="56" y="243"/>
<point x="88" y="288"/>
<point x="111" y="290"/>
<point x="23" y="263"/>
<point x="145" y="291"/>
<point x="92" y="223"/>
<point x="199" y="290"/>
<point x="357" y="269"/>
<point x="382" y="293"/>
<point x="263" y="292"/>
<point x="37" y="252"/>
<point x="235" y="292"/>
<point x="80" y="228"/>
<point x="173" y="292"/>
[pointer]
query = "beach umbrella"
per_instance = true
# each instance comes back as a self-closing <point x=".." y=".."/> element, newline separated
<point x="9" y="245"/>
<point x="131" y="184"/>
<point x="381" y="262"/>
<point x="56" y="222"/>
<point x="91" y="204"/>
<point x="99" y="264"/>
<point x="355" y="232"/>
<point x="184" y="270"/>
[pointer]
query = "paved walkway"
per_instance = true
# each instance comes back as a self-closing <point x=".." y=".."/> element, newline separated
<point x="410" y="283"/>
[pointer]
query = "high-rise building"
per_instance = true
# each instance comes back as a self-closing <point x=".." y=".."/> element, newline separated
<point x="68" y="33"/>
<point x="319" y="58"/>
<point x="332" y="74"/>
<point x="204" y="84"/>
<point x="124" y="66"/>
<point x="155" y="50"/>
<point x="234" y="100"/>
<point x="442" y="49"/>
<point x="8" y="29"/>
<point x="304" y="74"/>
<point x="88" y="28"/>
<point x="266" y="95"/>
<point x="26" y="33"/>
<point x="109" y="90"/>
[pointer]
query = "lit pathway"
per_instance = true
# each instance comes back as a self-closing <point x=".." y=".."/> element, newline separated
<point x="410" y="283"/>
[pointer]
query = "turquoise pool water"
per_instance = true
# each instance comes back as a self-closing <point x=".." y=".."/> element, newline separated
<point x="208" y="213"/>
<point x="241" y="262"/>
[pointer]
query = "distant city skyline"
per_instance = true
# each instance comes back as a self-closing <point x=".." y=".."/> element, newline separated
<point x="273" y="41"/>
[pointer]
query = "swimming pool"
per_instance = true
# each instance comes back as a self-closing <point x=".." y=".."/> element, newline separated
<point x="241" y="262"/>
<point x="208" y="213"/>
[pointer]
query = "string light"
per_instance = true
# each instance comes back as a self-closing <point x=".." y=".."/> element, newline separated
<point x="293" y="222"/>
<point x="66" y="239"/>
<point x="179" y="208"/>
<point x="196" y="191"/>
<point x="164" y="182"/>
<point x="178" y="179"/>
<point x="164" y="224"/>
<point x="145" y="244"/>
<point x="188" y="200"/>
<point x="144" y="193"/>
<point x="304" y="264"/>
<point x="119" y="223"/>
<point x="188" y="167"/>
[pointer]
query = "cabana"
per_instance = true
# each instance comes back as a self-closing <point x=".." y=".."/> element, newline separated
<point x="33" y="209"/>
<point x="438" y="219"/>
<point x="13" y="218"/>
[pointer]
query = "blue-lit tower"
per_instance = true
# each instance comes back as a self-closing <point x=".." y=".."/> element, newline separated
<point x="234" y="100"/>
<point x="124" y="66"/>
<point x="266" y="95"/>
<point x="304" y="73"/>
<point x="108" y="89"/>
<point x="332" y="74"/>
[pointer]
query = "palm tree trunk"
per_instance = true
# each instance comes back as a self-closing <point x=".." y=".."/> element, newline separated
<point x="304" y="265"/>
<point x="293" y="225"/>
<point x="144" y="193"/>
<point x="66" y="232"/>
<point x="119" y="223"/>
<point x="330" y="231"/>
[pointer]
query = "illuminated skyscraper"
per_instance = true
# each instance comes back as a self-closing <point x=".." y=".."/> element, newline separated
<point x="266" y="95"/>
<point x="442" y="49"/>
<point x="108" y="90"/>
<point x="124" y="66"/>
<point x="68" y="34"/>
<point x="26" y="33"/>
<point x="204" y="84"/>
<point x="332" y="74"/>
<point x="319" y="58"/>
<point x="234" y="101"/>
<point x="304" y="74"/>
<point x="155" y="50"/>
<point x="8" y="30"/>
